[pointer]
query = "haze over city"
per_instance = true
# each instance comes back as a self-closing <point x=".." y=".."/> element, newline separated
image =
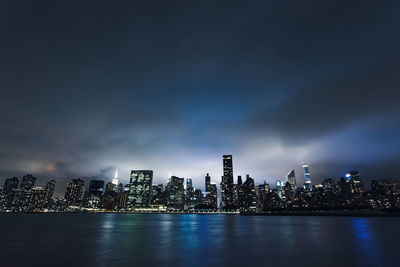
<point x="172" y="87"/>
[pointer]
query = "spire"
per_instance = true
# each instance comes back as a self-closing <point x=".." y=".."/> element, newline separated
<point x="115" y="180"/>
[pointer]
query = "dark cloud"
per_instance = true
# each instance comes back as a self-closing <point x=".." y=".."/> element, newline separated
<point x="334" y="104"/>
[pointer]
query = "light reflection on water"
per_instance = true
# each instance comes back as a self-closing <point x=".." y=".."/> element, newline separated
<point x="194" y="240"/>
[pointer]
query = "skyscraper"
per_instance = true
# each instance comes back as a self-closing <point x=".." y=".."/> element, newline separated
<point x="95" y="194"/>
<point x="291" y="178"/>
<point x="189" y="183"/>
<point x="115" y="180"/>
<point x="158" y="195"/>
<point x="175" y="193"/>
<point x="240" y="193"/>
<point x="73" y="194"/>
<point x="213" y="196"/>
<point x="228" y="168"/>
<point x="356" y="185"/>
<point x="110" y="197"/>
<point x="211" y="193"/>
<point x="227" y="201"/>
<point x="10" y="185"/>
<point x="140" y="188"/>
<point x="37" y="199"/>
<point x="28" y="182"/>
<point x="49" y="190"/>
<point x="262" y="191"/>
<point x="191" y="200"/>
<point x="307" y="180"/>
<point x="207" y="180"/>
<point x="279" y="188"/>
<point x="250" y="193"/>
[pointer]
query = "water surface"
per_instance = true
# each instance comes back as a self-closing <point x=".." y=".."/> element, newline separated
<point x="196" y="240"/>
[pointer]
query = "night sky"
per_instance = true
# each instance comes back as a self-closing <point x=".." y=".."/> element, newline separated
<point x="173" y="85"/>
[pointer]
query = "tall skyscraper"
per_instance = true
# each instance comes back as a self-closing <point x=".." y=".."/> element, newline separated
<point x="189" y="183"/>
<point x="110" y="197"/>
<point x="10" y="184"/>
<point x="73" y="194"/>
<point x="250" y="193"/>
<point x="240" y="193"/>
<point x="28" y="182"/>
<point x="262" y="191"/>
<point x="208" y="181"/>
<point x="356" y="185"/>
<point x="228" y="168"/>
<point x="115" y="180"/>
<point x="37" y="199"/>
<point x="227" y="200"/>
<point x="307" y="180"/>
<point x="211" y="193"/>
<point x="95" y="194"/>
<point x="158" y="195"/>
<point x="291" y="178"/>
<point x="191" y="200"/>
<point x="49" y="190"/>
<point x="279" y="188"/>
<point x="175" y="193"/>
<point x="140" y="188"/>
<point x="213" y="196"/>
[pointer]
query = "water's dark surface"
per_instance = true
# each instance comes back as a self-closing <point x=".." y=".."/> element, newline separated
<point x="196" y="240"/>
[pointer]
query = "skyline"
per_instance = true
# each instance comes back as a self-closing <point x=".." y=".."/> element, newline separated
<point x="179" y="194"/>
<point x="91" y="87"/>
<point x="303" y="180"/>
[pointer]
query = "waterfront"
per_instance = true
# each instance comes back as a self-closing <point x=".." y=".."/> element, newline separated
<point x="194" y="240"/>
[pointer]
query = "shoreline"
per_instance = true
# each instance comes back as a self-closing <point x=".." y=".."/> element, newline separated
<point x="324" y="214"/>
<point x="274" y="213"/>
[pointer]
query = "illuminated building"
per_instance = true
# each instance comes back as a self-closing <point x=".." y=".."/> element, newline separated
<point x="262" y="190"/>
<point x="213" y="196"/>
<point x="95" y="194"/>
<point x="115" y="180"/>
<point x="279" y="187"/>
<point x="74" y="192"/>
<point x="328" y="183"/>
<point x="227" y="201"/>
<point x="291" y="178"/>
<point x="241" y="201"/>
<point x="140" y="188"/>
<point x="307" y="180"/>
<point x="189" y="183"/>
<point x="158" y="195"/>
<point x="10" y="185"/>
<point x="211" y="193"/>
<point x="207" y="179"/>
<point x="175" y="193"/>
<point x="191" y="200"/>
<point x="250" y="193"/>
<point x="37" y="199"/>
<point x="199" y="197"/>
<point x="50" y="186"/>
<point x="356" y="185"/>
<point x="49" y="191"/>
<point x="28" y="182"/>
<point x="110" y="197"/>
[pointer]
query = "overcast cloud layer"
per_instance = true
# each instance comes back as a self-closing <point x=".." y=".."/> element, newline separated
<point x="174" y="85"/>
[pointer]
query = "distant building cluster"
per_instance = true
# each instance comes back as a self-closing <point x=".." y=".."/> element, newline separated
<point x="141" y="195"/>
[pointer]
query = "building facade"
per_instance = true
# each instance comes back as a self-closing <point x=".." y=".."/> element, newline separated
<point x="140" y="188"/>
